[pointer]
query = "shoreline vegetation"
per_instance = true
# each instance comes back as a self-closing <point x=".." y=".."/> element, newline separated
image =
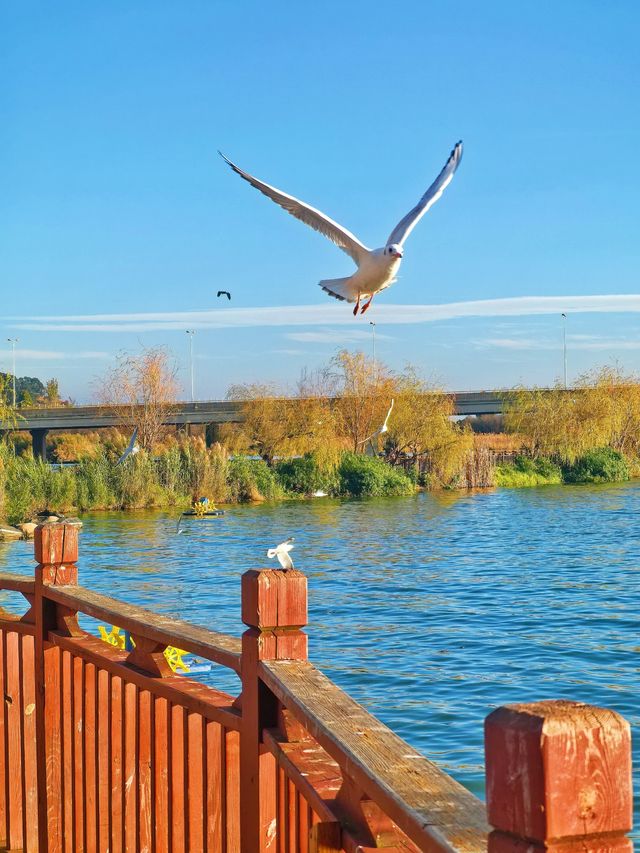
<point x="325" y="438"/>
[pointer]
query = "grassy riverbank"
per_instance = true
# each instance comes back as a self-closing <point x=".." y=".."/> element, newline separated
<point x="181" y="473"/>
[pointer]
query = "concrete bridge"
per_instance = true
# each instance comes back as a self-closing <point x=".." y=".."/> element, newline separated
<point x="73" y="418"/>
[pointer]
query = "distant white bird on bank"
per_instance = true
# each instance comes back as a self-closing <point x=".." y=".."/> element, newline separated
<point x="131" y="449"/>
<point x="384" y="428"/>
<point x="377" y="268"/>
<point x="281" y="551"/>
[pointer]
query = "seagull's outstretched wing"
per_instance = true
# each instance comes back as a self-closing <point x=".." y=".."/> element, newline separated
<point x="384" y="428"/>
<point x="408" y="223"/>
<point x="281" y="551"/>
<point x="307" y="214"/>
<point x="131" y="447"/>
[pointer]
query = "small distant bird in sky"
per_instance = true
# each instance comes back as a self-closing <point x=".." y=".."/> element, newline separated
<point x="224" y="293"/>
<point x="377" y="268"/>
<point x="281" y="551"/>
<point x="384" y="428"/>
<point x="131" y="449"/>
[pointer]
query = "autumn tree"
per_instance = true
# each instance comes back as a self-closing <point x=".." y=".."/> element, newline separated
<point x="602" y="410"/>
<point x="363" y="391"/>
<point x="266" y="427"/>
<point x="141" y="390"/>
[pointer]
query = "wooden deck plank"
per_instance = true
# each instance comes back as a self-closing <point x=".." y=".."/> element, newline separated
<point x="161" y="776"/>
<point x="104" y="761"/>
<point x="130" y="767"/>
<point x="29" y="739"/>
<point x="434" y="810"/>
<point x="117" y="765"/>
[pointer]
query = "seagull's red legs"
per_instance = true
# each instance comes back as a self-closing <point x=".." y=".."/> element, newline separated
<point x="355" y="310"/>
<point x="365" y="307"/>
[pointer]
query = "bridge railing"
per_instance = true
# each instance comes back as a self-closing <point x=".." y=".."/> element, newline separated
<point x="104" y="749"/>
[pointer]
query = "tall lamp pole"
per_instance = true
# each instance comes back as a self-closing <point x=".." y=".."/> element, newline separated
<point x="13" y="342"/>
<point x="375" y="363"/>
<point x="564" y="348"/>
<point x="191" y="333"/>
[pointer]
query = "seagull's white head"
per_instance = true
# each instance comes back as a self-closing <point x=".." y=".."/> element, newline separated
<point x="394" y="250"/>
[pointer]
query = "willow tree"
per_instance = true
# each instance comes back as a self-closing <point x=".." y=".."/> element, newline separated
<point x="141" y="390"/>
<point x="363" y="391"/>
<point x="602" y="410"/>
<point x="422" y="427"/>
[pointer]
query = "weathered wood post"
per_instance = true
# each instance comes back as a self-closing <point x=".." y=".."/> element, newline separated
<point x="274" y="607"/>
<point x="558" y="778"/>
<point x="56" y="553"/>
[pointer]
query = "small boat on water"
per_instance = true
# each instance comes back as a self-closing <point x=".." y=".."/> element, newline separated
<point x="206" y="514"/>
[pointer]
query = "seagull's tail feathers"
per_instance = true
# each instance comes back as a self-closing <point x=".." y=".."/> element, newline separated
<point x="340" y="288"/>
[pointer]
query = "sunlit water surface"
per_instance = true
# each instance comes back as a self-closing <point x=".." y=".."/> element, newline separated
<point x="430" y="610"/>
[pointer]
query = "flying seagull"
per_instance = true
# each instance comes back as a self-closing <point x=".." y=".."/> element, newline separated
<point x="281" y="551"/>
<point x="224" y="293"/>
<point x="131" y="449"/>
<point x="384" y="428"/>
<point x="377" y="268"/>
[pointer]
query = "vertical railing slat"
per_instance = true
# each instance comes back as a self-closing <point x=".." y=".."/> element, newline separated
<point x="117" y="766"/>
<point x="104" y="761"/>
<point x="29" y="741"/>
<point x="13" y="700"/>
<point x="130" y="775"/>
<point x="161" y="761"/>
<point x="178" y="780"/>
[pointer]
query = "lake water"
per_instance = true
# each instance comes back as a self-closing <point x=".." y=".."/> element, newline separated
<point x="430" y="610"/>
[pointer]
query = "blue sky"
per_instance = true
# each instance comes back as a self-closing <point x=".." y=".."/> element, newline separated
<point x="119" y="222"/>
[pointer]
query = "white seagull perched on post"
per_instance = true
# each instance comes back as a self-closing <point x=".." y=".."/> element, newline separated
<point x="377" y="268"/>
<point x="281" y="551"/>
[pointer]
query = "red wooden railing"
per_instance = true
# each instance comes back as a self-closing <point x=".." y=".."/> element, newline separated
<point x="108" y="750"/>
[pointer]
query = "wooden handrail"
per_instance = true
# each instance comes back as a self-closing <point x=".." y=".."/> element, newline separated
<point x="434" y="810"/>
<point x="17" y="583"/>
<point x="219" y="648"/>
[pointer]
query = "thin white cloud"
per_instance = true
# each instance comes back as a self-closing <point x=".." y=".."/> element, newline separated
<point x="607" y="345"/>
<point x="333" y="336"/>
<point x="329" y="314"/>
<point x="55" y="355"/>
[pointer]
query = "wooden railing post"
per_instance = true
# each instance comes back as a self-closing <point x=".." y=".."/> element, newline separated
<point x="274" y="607"/>
<point x="558" y="778"/>
<point x="56" y="553"/>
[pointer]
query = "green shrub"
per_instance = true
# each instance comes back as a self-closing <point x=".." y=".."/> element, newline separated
<point x="252" y="480"/>
<point x="368" y="476"/>
<point x="602" y="465"/>
<point x="526" y="472"/>
<point x="305" y="476"/>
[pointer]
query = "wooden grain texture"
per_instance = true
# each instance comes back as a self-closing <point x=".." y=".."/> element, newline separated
<point x="434" y="810"/>
<point x="232" y="791"/>
<point x="78" y="753"/>
<point x="51" y="749"/>
<point x="215" y="786"/>
<point x="325" y="837"/>
<point x="104" y="760"/>
<point x="216" y="647"/>
<point x="146" y="804"/>
<point x="161" y="775"/>
<point x="67" y="741"/>
<point x="91" y="757"/>
<point x="13" y="703"/>
<point x="130" y="767"/>
<point x="55" y="543"/>
<point x="178" y="689"/>
<point x="17" y="583"/>
<point x="196" y="812"/>
<point x="179" y="802"/>
<point x="116" y="745"/>
<point x="27" y="650"/>
<point x="558" y="769"/>
<point x="4" y="766"/>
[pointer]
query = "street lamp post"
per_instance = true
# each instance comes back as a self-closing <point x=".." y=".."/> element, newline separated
<point x="13" y="342"/>
<point x="191" y="333"/>
<point x="564" y="348"/>
<point x="375" y="363"/>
